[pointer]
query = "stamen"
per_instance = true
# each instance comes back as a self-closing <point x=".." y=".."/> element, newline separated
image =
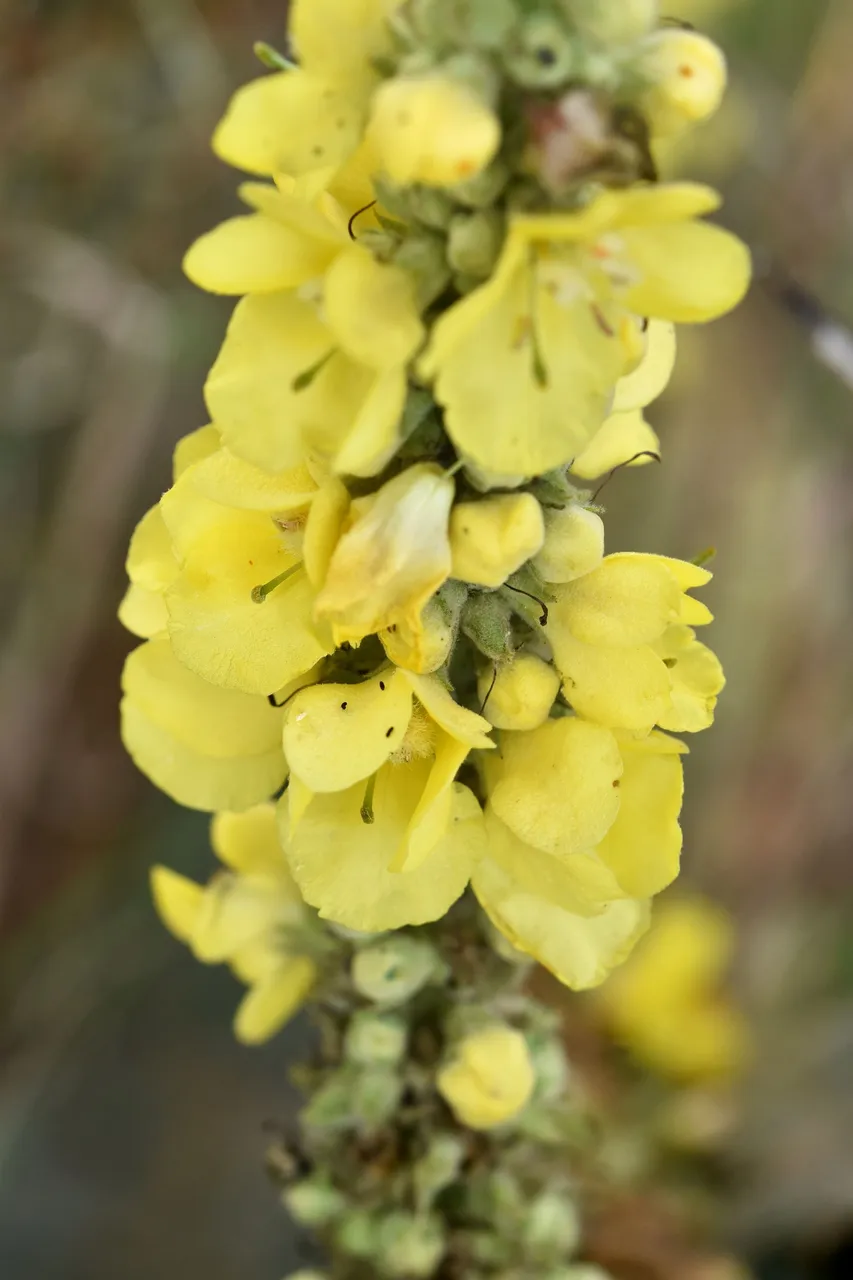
<point x="260" y="593"/>
<point x="367" y="815"/>
<point x="543" y="621"/>
<point x="644" y="453"/>
<point x="491" y="688"/>
<point x="304" y="379"/>
<point x="357" y="214"/>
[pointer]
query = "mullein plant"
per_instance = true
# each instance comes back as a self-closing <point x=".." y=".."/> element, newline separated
<point x="383" y="643"/>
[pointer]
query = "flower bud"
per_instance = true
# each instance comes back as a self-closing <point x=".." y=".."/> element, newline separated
<point x="490" y="540"/>
<point x="687" y="79"/>
<point x="358" y="1234"/>
<point x="617" y="21"/>
<point x="489" y="1077"/>
<point x="437" y="1169"/>
<point x="551" y="1228"/>
<point x="474" y="242"/>
<point x="543" y="54"/>
<point x="393" y="557"/>
<point x="471" y="24"/>
<point x="583" y="1271"/>
<point x="392" y="971"/>
<point x="522" y="694"/>
<point x="314" y="1202"/>
<point x="375" y="1038"/>
<point x="409" y="1245"/>
<point x="307" y="1275"/>
<point x="421" y="649"/>
<point x="375" y="1096"/>
<point x="424" y="257"/>
<point x="487" y="622"/>
<point x="432" y="129"/>
<point x="573" y="546"/>
<point x="551" y="1067"/>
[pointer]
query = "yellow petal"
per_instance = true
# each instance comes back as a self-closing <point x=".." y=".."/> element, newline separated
<point x="217" y="627"/>
<point x="522" y="392"/>
<point x="629" y="600"/>
<point x="192" y="778"/>
<point x="323" y="529"/>
<point x="342" y="38"/>
<point x="489" y="1078"/>
<point x="623" y="688"/>
<point x="392" y="559"/>
<point x="579" y="882"/>
<point x="150" y="562"/>
<point x="579" y="950"/>
<point x="143" y="612"/>
<point x="291" y="121"/>
<point x="235" y="911"/>
<point x="637" y="206"/>
<point x="255" y="254"/>
<point x="207" y="719"/>
<point x="463" y="725"/>
<point x="688" y="271"/>
<point x="192" y="448"/>
<point x="696" y="679"/>
<point x="557" y="787"/>
<point x="337" y="734"/>
<point x="254" y="393"/>
<point x="618" y="441"/>
<point x="652" y="374"/>
<point x="370" y="308"/>
<point x="432" y="816"/>
<point x="491" y="539"/>
<point x="178" y="901"/>
<point x="643" y="847"/>
<point x="519" y="694"/>
<point x="271" y="1003"/>
<point x="374" y="432"/>
<point x="248" y="842"/>
<point x="341" y="863"/>
<point x="233" y="482"/>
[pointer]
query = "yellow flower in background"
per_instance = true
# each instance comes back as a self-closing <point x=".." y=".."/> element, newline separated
<point x="248" y="916"/>
<point x="489" y="1078"/>
<point x="392" y="558"/>
<point x="307" y="122"/>
<point x="319" y="371"/>
<point x="525" y="366"/>
<point x="432" y="129"/>
<point x="668" y="1004"/>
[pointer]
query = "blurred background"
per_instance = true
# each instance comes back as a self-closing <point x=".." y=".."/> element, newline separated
<point x="132" y="1128"/>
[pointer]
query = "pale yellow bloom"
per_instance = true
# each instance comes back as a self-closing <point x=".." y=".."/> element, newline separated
<point x="491" y="539"/>
<point x="489" y="1078"/>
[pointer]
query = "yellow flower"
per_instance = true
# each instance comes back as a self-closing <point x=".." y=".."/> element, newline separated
<point x="206" y="747"/>
<point x="520" y="693"/>
<point x="308" y="122"/>
<point x="525" y="366"/>
<point x="573" y="544"/>
<point x="491" y="539"/>
<point x="489" y="1078"/>
<point x="668" y="1006"/>
<point x="620" y="644"/>
<point x="320" y="371"/>
<point x="240" y="605"/>
<point x="424" y="647"/>
<point x="625" y="433"/>
<point x="432" y="129"/>
<point x="248" y="916"/>
<point x="392" y="558"/>
<point x="337" y="736"/>
<point x="342" y="864"/>
<point x="687" y="79"/>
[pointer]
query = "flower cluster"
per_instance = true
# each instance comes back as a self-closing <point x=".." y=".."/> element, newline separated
<point x="377" y="581"/>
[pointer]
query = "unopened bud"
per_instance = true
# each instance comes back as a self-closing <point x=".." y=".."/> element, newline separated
<point x="424" y="257"/>
<point x="375" y="1038"/>
<point x="686" y="74"/>
<point x="490" y="540"/>
<point x="432" y="129"/>
<point x="375" y="1096"/>
<point x="551" y="1228"/>
<point x="543" y="54"/>
<point x="573" y="546"/>
<point x="409" y="1245"/>
<point x="423" y="648"/>
<point x="358" y="1234"/>
<point x="392" y="971"/>
<point x="615" y="22"/>
<point x="487" y="622"/>
<point x="520" y="694"/>
<point x="437" y="1169"/>
<point x="314" y="1202"/>
<point x="474" y="242"/>
<point x="489" y="1077"/>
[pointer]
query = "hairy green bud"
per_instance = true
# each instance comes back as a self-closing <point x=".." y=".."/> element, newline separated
<point x="551" y="1227"/>
<point x="409" y="1245"/>
<point x="375" y="1039"/>
<point x="474" y="242"/>
<point x="543" y="54"/>
<point x="438" y="1168"/>
<point x="392" y="971"/>
<point x="314" y="1202"/>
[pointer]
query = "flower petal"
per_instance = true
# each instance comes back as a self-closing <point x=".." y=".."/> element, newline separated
<point x="271" y="1003"/>
<point x="643" y="846"/>
<point x="616" y="442"/>
<point x="689" y="271"/>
